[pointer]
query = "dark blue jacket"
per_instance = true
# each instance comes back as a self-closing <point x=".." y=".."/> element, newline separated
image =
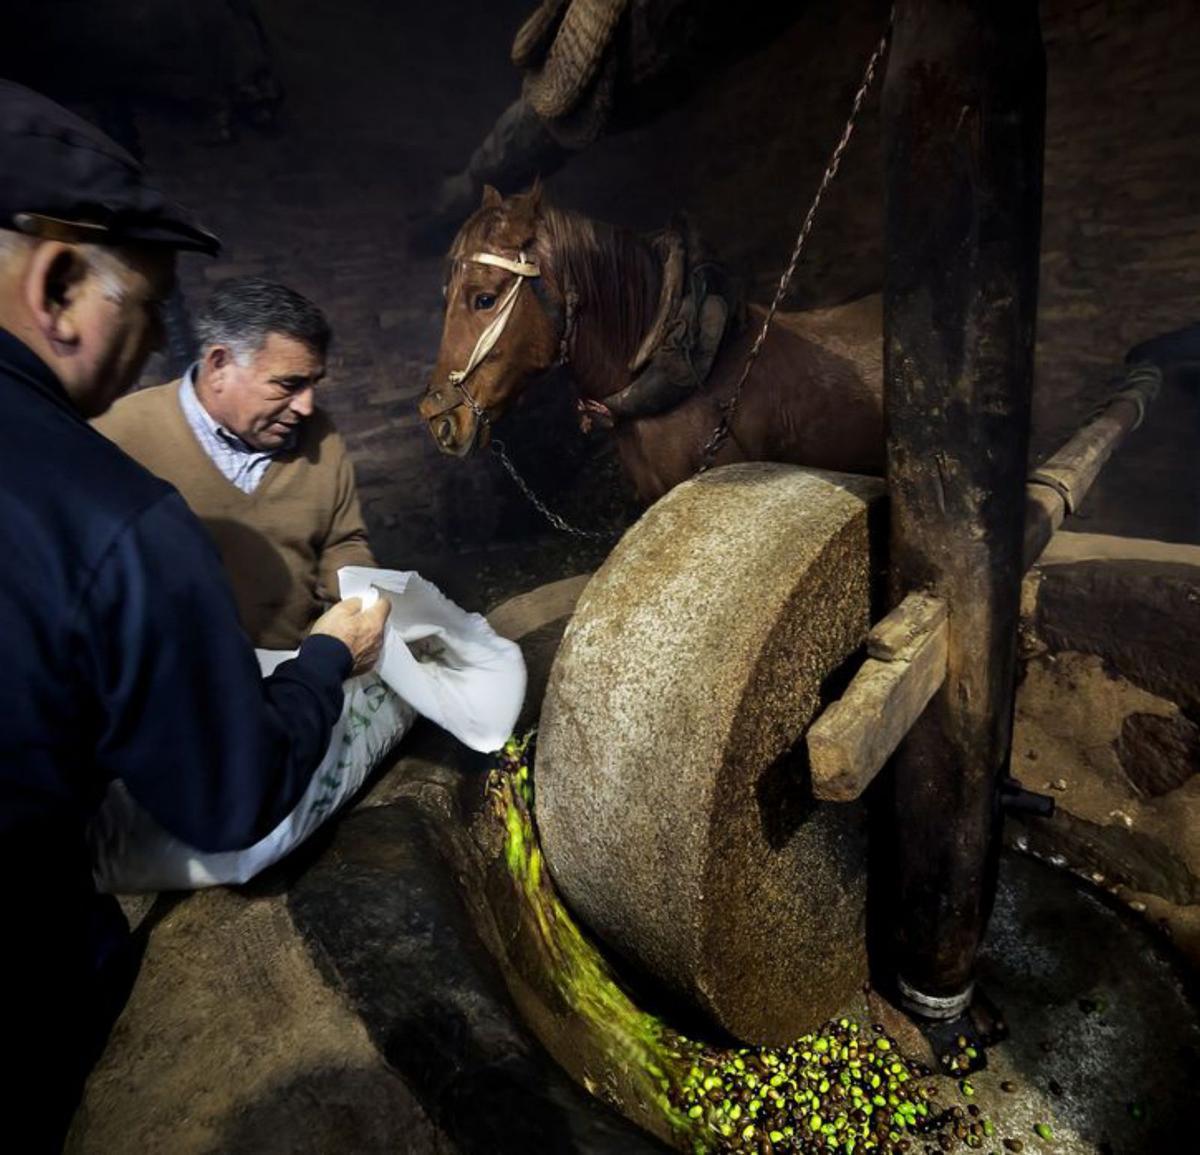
<point x="121" y="656"/>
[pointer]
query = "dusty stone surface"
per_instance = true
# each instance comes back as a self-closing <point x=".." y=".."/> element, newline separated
<point x="233" y="1042"/>
<point x="389" y="908"/>
<point x="1069" y="720"/>
<point x="1102" y="1018"/>
<point x="1141" y="615"/>
<point x="1158" y="754"/>
<point x="673" y="817"/>
<point x="1107" y="719"/>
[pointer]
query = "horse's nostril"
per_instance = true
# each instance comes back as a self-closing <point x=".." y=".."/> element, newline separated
<point x="445" y="432"/>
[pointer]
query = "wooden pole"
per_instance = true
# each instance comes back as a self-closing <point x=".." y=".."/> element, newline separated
<point x="852" y="741"/>
<point x="963" y="122"/>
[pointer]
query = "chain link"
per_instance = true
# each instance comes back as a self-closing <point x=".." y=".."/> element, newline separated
<point x="728" y="407"/>
<point x="552" y="517"/>
<point x="723" y="429"/>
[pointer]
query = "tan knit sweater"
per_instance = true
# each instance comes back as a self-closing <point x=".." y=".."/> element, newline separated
<point x="283" y="543"/>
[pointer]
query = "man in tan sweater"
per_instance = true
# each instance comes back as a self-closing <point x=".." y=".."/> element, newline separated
<point x="241" y="438"/>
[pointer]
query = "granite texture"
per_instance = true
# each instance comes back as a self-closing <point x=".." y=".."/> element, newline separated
<point x="676" y="817"/>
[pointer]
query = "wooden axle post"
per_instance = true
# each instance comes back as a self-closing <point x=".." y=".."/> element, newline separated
<point x="849" y="744"/>
<point x="963" y="122"/>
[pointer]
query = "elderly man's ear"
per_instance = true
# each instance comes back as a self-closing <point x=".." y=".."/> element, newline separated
<point x="218" y="360"/>
<point x="53" y="284"/>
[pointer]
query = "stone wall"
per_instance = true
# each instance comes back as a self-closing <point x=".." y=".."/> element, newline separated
<point x="384" y="99"/>
<point x="1108" y="720"/>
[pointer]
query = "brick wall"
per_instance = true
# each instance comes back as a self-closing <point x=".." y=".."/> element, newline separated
<point x="383" y="99"/>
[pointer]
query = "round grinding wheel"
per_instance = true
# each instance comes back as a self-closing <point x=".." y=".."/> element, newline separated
<point x="673" y="801"/>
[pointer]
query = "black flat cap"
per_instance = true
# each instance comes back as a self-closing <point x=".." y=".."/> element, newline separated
<point x="62" y="178"/>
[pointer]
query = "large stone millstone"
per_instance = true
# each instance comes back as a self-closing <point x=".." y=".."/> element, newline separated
<point x="674" y="808"/>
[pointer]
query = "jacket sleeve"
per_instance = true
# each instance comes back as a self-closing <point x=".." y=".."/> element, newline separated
<point x="216" y="753"/>
<point x="346" y="540"/>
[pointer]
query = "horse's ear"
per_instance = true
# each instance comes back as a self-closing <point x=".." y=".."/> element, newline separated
<point x="491" y="198"/>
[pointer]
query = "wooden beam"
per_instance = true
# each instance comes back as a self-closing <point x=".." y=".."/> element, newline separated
<point x="963" y="114"/>
<point x="853" y="739"/>
<point x="893" y="638"/>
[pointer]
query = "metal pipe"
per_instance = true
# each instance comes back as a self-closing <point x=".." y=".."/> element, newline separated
<point x="1058" y="486"/>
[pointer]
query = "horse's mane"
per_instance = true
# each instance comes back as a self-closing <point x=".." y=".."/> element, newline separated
<point x="614" y="273"/>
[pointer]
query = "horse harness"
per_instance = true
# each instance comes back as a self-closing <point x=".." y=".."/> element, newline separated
<point x="523" y="270"/>
<point x="697" y="323"/>
<point x="699" y="307"/>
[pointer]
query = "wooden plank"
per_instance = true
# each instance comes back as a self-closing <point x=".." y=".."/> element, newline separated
<point x="893" y="637"/>
<point x="853" y="739"/>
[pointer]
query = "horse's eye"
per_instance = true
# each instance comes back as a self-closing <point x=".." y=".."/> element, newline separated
<point x="484" y="301"/>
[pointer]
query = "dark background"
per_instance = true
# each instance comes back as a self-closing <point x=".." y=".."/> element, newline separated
<point x="382" y="99"/>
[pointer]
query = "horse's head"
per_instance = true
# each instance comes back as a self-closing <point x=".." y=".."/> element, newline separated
<point x="499" y="332"/>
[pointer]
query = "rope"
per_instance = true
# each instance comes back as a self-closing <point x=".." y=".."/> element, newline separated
<point x="723" y="430"/>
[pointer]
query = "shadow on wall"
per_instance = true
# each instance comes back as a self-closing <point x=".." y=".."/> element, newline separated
<point x="213" y="58"/>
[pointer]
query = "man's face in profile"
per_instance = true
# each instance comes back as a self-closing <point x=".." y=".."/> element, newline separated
<point x="265" y="399"/>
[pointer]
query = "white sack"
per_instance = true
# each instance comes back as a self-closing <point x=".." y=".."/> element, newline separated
<point x="132" y="853"/>
<point x="438" y="660"/>
<point x="449" y="665"/>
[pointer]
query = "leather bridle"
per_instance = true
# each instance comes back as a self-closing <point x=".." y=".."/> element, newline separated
<point x="523" y="270"/>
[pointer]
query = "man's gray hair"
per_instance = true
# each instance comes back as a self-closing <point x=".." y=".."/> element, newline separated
<point x="110" y="268"/>
<point x="12" y="243"/>
<point x="243" y="312"/>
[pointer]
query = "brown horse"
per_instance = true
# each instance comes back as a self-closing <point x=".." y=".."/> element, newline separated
<point x="532" y="286"/>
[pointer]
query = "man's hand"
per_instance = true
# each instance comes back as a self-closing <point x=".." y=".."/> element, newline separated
<point x="361" y="630"/>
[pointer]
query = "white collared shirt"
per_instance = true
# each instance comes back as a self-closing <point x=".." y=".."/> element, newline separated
<point x="238" y="462"/>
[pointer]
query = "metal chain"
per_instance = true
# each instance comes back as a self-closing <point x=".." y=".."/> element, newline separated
<point x="548" y="514"/>
<point x="723" y="429"/>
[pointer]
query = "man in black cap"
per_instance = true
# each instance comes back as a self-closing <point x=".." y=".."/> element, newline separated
<point x="123" y="657"/>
